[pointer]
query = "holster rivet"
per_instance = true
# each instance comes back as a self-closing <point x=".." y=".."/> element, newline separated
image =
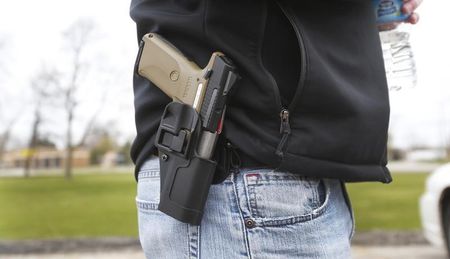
<point x="164" y="157"/>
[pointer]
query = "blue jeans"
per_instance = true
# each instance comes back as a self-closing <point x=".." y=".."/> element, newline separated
<point x="254" y="213"/>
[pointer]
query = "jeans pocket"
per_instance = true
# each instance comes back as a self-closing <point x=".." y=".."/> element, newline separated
<point x="281" y="198"/>
<point x="148" y="187"/>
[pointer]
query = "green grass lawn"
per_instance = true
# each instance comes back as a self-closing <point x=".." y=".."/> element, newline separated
<point x="388" y="206"/>
<point x="103" y="205"/>
<point x="51" y="207"/>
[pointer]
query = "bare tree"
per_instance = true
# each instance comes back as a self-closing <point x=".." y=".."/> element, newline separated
<point x="5" y="135"/>
<point x="91" y="123"/>
<point x="78" y="37"/>
<point x="44" y="88"/>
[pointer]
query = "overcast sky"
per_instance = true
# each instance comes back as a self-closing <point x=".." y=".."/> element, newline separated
<point x="31" y="34"/>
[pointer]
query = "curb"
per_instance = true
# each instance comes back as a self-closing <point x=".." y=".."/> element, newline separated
<point x="389" y="238"/>
<point x="51" y="246"/>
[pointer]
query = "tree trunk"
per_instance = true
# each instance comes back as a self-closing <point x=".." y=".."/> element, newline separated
<point x="3" y="141"/>
<point x="4" y="138"/>
<point x="69" y="148"/>
<point x="32" y="144"/>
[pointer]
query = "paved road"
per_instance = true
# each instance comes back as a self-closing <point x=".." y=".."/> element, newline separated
<point x="124" y="254"/>
<point x="359" y="252"/>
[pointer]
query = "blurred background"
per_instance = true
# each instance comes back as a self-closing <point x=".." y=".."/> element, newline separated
<point x="67" y="124"/>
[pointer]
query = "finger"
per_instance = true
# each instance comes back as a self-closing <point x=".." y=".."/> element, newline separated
<point x="410" y="5"/>
<point x="413" y="19"/>
<point x="387" y="27"/>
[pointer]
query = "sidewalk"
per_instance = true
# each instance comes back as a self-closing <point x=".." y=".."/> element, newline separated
<point x="359" y="252"/>
<point x="398" y="252"/>
<point x="366" y="245"/>
<point x="120" y="254"/>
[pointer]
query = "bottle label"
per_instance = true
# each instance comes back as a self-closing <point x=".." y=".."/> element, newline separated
<point x="388" y="11"/>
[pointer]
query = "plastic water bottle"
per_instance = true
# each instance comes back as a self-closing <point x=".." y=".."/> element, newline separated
<point x="397" y="52"/>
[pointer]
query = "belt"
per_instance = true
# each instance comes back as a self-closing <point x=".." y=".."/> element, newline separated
<point x="239" y="159"/>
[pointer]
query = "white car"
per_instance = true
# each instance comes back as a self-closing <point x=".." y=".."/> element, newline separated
<point x="435" y="207"/>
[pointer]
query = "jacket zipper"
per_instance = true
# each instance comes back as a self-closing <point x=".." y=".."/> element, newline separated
<point x="285" y="131"/>
<point x="285" y="127"/>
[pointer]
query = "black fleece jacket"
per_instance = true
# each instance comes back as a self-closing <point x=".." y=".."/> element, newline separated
<point x="317" y="62"/>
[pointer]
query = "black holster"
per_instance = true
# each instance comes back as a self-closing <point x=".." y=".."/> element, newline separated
<point x="185" y="177"/>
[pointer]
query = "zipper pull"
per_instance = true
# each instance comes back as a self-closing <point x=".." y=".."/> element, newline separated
<point x="285" y="127"/>
<point x="285" y="130"/>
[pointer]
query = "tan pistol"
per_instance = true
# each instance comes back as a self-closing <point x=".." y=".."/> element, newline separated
<point x="181" y="79"/>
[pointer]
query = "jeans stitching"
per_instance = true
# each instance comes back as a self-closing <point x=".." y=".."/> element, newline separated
<point x="193" y="240"/>
<point x="244" y="230"/>
<point x="188" y="241"/>
<point x="316" y="195"/>
<point x="153" y="173"/>
<point x="271" y="177"/>
<point x="275" y="178"/>
<point x="145" y="205"/>
<point x="251" y="196"/>
<point x="283" y="221"/>
<point x="198" y="241"/>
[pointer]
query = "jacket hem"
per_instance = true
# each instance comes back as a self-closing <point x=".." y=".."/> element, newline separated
<point x="334" y="170"/>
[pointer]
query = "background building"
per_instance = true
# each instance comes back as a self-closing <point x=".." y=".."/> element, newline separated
<point x="44" y="158"/>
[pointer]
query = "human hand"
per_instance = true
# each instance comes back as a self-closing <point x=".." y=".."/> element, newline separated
<point x="409" y="7"/>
